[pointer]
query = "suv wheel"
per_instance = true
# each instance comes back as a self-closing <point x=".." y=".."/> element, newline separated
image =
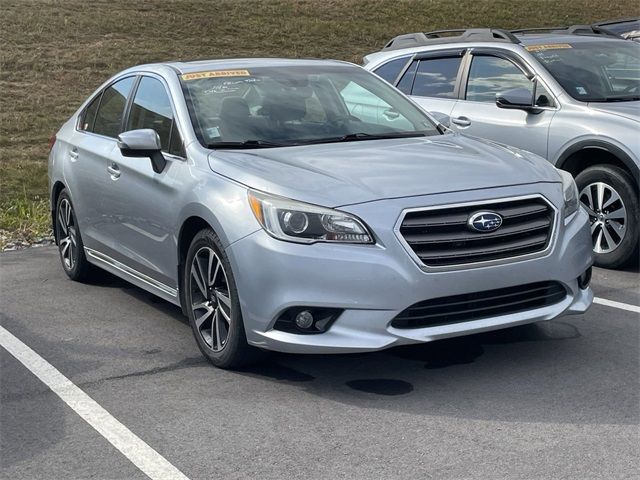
<point x="212" y="304"/>
<point x="70" y="246"/>
<point x="609" y="196"/>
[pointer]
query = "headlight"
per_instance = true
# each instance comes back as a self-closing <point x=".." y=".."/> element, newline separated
<point x="304" y="223"/>
<point x="570" y="193"/>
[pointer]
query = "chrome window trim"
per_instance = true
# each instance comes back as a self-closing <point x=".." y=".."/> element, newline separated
<point x="467" y="266"/>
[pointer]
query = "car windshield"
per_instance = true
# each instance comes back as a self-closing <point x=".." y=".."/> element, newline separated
<point x="266" y="107"/>
<point x="594" y="71"/>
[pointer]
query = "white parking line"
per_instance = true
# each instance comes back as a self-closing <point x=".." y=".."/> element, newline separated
<point x="142" y="455"/>
<point x="620" y="305"/>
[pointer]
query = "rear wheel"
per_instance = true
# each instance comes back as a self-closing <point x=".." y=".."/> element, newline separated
<point x="70" y="244"/>
<point x="611" y="200"/>
<point x="212" y="304"/>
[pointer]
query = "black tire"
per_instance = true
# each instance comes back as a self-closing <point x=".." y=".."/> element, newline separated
<point x="70" y="246"/>
<point x="618" y="180"/>
<point x="233" y="351"/>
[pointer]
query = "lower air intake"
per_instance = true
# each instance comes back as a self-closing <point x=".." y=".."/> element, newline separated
<point x="478" y="305"/>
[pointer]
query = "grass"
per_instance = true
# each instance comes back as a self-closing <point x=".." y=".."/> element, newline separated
<point x="55" y="53"/>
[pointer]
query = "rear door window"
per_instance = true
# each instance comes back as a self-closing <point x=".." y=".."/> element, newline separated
<point x="390" y="70"/>
<point x="436" y="77"/>
<point x="108" y="120"/>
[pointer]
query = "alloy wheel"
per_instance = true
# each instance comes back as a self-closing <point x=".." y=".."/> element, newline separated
<point x="210" y="299"/>
<point x="67" y="234"/>
<point x="607" y="215"/>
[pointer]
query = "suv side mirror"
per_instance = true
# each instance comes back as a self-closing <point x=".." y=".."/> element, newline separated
<point x="143" y="143"/>
<point x="442" y="118"/>
<point x="517" y="99"/>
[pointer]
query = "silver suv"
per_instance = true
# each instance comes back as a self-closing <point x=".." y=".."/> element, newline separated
<point x="570" y="95"/>
<point x="281" y="212"/>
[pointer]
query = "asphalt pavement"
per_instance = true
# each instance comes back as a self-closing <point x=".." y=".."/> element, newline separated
<point x="557" y="399"/>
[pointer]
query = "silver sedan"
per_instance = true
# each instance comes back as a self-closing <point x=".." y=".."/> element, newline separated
<point x="307" y="206"/>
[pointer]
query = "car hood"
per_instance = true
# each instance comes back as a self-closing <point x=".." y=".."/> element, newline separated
<point x="336" y="174"/>
<point x="630" y="110"/>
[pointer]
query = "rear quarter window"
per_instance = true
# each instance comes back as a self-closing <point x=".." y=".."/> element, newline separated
<point x="390" y="70"/>
<point x="89" y="116"/>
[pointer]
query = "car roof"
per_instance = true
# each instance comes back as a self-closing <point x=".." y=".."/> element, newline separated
<point x="409" y="44"/>
<point x="497" y="35"/>
<point x="236" y="63"/>
<point x="542" y="38"/>
<point x="621" y="25"/>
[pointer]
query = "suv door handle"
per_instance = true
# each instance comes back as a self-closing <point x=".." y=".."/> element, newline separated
<point x="461" y="121"/>
<point x="114" y="171"/>
<point x="391" y="114"/>
<point x="73" y="154"/>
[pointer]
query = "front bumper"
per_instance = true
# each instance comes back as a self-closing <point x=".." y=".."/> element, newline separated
<point x="374" y="283"/>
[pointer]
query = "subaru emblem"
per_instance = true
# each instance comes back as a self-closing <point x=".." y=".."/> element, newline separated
<point x="484" y="222"/>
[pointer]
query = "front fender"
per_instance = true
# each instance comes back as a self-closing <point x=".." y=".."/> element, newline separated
<point x="619" y="150"/>
<point x="224" y="206"/>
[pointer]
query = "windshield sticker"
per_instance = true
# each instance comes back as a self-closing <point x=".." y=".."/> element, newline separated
<point x="213" y="132"/>
<point x="581" y="90"/>
<point x="550" y="46"/>
<point x="216" y="73"/>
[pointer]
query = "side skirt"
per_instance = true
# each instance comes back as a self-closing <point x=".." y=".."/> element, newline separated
<point x="133" y="276"/>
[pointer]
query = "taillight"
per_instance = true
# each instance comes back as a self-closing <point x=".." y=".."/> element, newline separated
<point x="52" y="142"/>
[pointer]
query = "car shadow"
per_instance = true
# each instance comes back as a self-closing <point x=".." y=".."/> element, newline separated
<point x="533" y="373"/>
<point x="105" y="279"/>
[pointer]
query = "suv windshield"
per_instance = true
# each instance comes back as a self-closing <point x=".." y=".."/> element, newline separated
<point x="597" y="71"/>
<point x="265" y="107"/>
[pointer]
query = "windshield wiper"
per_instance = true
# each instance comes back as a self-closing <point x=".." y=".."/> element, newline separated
<point x="247" y="144"/>
<point x="355" y="137"/>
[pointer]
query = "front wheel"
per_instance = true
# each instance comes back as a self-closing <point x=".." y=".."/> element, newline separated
<point x="611" y="200"/>
<point x="212" y="304"/>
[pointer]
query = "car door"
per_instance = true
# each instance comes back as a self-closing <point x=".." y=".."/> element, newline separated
<point x="477" y="114"/>
<point x="143" y="201"/>
<point x="93" y="147"/>
<point x="432" y="81"/>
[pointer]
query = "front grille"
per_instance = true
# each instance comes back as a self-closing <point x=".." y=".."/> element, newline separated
<point x="440" y="237"/>
<point x="478" y="305"/>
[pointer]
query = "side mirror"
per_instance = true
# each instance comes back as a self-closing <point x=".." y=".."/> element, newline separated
<point x="143" y="143"/>
<point x="442" y="118"/>
<point x="517" y="99"/>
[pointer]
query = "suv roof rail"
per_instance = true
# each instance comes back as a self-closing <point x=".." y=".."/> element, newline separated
<point x="569" y="30"/>
<point x="450" y="36"/>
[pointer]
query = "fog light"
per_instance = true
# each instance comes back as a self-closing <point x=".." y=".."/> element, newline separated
<point x="304" y="319"/>
<point x="585" y="279"/>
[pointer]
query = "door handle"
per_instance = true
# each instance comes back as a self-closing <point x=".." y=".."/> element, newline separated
<point x="461" y="121"/>
<point x="391" y="114"/>
<point x="114" y="171"/>
<point x="73" y="154"/>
